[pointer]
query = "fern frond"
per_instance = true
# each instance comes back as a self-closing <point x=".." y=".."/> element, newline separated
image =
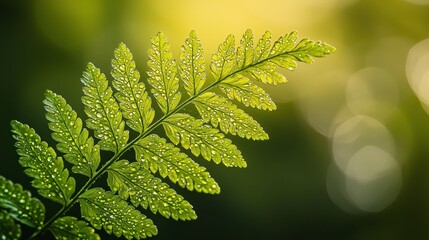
<point x="105" y="210"/>
<point x="103" y="110"/>
<point x="72" y="138"/>
<point x="67" y="227"/>
<point x="8" y="228"/>
<point x="113" y="111"/>
<point x="202" y="139"/>
<point x="20" y="205"/>
<point x="156" y="154"/>
<point x="223" y="61"/>
<point x="242" y="89"/>
<point x="220" y="112"/>
<point x="41" y="163"/>
<point x="133" y="181"/>
<point x="192" y="65"/>
<point x="163" y="74"/>
<point x="132" y="96"/>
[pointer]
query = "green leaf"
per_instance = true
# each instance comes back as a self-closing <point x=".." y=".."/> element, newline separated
<point x="156" y="154"/>
<point x="103" y="209"/>
<point x="242" y="89"/>
<point x="192" y="65"/>
<point x="267" y="72"/>
<point x="8" y="228"/>
<point x="110" y="113"/>
<point x="202" y="139"/>
<point x="245" y="51"/>
<point x="230" y="119"/>
<point x="72" y="138"/>
<point x="284" y="44"/>
<point x="133" y="181"/>
<point x="223" y="61"/>
<point x="41" y="163"/>
<point x="67" y="227"/>
<point x="163" y="74"/>
<point x="103" y="111"/>
<point x="20" y="205"/>
<point x="132" y="96"/>
<point x="263" y="48"/>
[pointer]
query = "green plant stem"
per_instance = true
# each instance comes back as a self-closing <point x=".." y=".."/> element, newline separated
<point x="127" y="147"/>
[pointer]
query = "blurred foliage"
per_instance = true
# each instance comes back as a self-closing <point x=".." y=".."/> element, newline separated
<point x="294" y="186"/>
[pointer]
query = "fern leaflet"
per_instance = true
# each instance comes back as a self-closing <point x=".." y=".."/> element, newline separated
<point x="103" y="110"/>
<point x="103" y="209"/>
<point x="192" y="65"/>
<point x="67" y="227"/>
<point x="202" y="139"/>
<point x="163" y="74"/>
<point x="242" y="89"/>
<point x="72" y="138"/>
<point x="223" y="61"/>
<point x="137" y="183"/>
<point x="50" y="177"/>
<point x="220" y="112"/>
<point x="132" y="96"/>
<point x="8" y="228"/>
<point x="156" y="154"/>
<point x="20" y="205"/>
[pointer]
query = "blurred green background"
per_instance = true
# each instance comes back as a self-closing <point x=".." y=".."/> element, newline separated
<point x="348" y="155"/>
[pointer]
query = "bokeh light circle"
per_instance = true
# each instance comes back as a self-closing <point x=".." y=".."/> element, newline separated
<point x="356" y="133"/>
<point x="418" y="71"/>
<point x="364" y="153"/>
<point x="373" y="179"/>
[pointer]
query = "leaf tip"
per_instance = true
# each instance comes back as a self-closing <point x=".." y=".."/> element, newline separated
<point x="122" y="45"/>
<point x="193" y="33"/>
